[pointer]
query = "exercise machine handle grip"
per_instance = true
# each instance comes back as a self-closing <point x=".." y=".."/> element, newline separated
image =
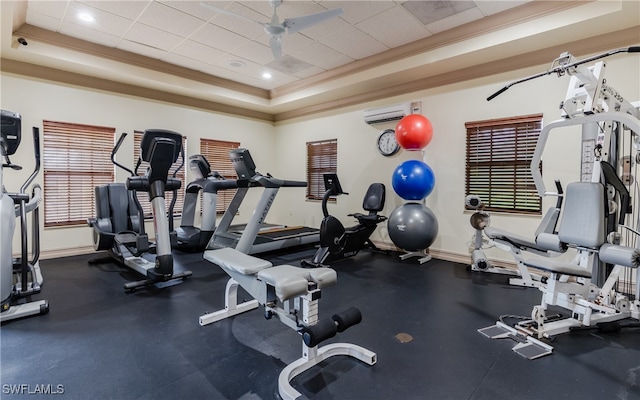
<point x="498" y="93"/>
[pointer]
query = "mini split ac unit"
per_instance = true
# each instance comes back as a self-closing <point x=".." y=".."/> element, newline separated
<point x="387" y="114"/>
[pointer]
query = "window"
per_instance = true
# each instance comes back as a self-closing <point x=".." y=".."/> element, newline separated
<point x="76" y="159"/>
<point x="146" y="204"/>
<point x="322" y="158"/>
<point x="499" y="154"/>
<point x="217" y="153"/>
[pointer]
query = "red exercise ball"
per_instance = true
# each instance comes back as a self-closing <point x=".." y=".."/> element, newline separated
<point x="414" y="132"/>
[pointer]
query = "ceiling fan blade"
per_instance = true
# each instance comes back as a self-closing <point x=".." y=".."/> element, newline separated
<point x="296" y="24"/>
<point x="223" y="11"/>
<point x="276" y="45"/>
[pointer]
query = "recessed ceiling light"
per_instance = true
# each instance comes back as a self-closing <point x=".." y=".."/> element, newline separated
<point x="266" y="75"/>
<point x="86" y="17"/>
<point x="236" y="63"/>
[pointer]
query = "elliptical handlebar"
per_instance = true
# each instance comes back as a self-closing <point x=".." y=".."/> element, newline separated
<point x="36" y="152"/>
<point x="115" y="150"/>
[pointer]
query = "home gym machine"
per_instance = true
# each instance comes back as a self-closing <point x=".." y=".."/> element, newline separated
<point x="599" y="220"/>
<point x="21" y="278"/>
<point x="189" y="237"/>
<point x="338" y="242"/>
<point x="291" y="295"/>
<point x="119" y="223"/>
<point x="254" y="238"/>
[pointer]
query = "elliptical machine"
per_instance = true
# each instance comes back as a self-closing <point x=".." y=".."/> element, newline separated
<point x="338" y="242"/>
<point x="189" y="237"/>
<point x="20" y="278"/>
<point x="119" y="223"/>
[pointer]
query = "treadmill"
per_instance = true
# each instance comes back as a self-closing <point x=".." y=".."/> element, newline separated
<point x="257" y="236"/>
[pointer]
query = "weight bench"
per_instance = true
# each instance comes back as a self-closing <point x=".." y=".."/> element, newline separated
<point x="291" y="295"/>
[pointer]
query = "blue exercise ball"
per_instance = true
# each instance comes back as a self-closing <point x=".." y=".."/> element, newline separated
<point x="413" y="226"/>
<point x="413" y="180"/>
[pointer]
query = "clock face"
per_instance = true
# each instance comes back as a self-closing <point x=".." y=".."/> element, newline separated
<point x="387" y="144"/>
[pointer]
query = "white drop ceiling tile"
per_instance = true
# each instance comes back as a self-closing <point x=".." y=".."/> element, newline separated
<point x="292" y="9"/>
<point x="104" y="21"/>
<point x="254" y="51"/>
<point x="170" y="20"/>
<point x="357" y="11"/>
<point x="54" y="9"/>
<point x="130" y="9"/>
<point x="322" y="56"/>
<point x="454" y="20"/>
<point x="490" y="7"/>
<point x="393" y="28"/>
<point x="198" y="51"/>
<point x="238" y="25"/>
<point x="154" y="37"/>
<point x="43" y="21"/>
<point x="219" y="38"/>
<point x="261" y="8"/>
<point x="428" y="12"/>
<point x="228" y="61"/>
<point x="90" y="35"/>
<point x="324" y="28"/>
<point x="307" y="72"/>
<point x="288" y="65"/>
<point x="353" y="42"/>
<point x="195" y="8"/>
<point x="182" y="61"/>
<point x="138" y="48"/>
<point x="290" y="42"/>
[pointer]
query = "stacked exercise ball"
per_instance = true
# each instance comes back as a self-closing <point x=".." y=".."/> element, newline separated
<point x="413" y="226"/>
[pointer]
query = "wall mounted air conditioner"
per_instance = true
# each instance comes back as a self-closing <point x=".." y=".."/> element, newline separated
<point x="387" y="114"/>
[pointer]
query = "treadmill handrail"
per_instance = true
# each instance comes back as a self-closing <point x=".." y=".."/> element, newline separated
<point x="271" y="182"/>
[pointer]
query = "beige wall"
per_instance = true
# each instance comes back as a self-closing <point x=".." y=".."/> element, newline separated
<point x="448" y="108"/>
<point x="36" y="101"/>
<point x="281" y="150"/>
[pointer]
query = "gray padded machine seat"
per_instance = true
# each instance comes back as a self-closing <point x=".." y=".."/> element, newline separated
<point x="581" y="226"/>
<point x="290" y="294"/>
<point x="288" y="281"/>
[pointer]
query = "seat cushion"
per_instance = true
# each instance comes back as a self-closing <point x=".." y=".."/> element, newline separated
<point x="558" y="267"/>
<point x="233" y="260"/>
<point x="290" y="281"/>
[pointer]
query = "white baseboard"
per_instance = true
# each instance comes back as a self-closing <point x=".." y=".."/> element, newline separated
<point x="58" y="253"/>
<point x="449" y="256"/>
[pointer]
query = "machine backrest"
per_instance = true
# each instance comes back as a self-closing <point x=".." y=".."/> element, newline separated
<point x="582" y="221"/>
<point x="374" y="198"/>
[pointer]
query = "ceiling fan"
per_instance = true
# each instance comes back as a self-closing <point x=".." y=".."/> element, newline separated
<point x="275" y="28"/>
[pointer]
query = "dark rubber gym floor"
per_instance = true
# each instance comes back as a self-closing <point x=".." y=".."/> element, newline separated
<point x="99" y="342"/>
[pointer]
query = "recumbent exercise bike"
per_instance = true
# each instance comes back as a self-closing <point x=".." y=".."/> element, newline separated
<point x="338" y="242"/>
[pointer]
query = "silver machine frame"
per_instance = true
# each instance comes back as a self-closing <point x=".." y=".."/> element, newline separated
<point x="21" y="277"/>
<point x="583" y="287"/>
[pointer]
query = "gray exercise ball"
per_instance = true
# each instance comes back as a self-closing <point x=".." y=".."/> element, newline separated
<point x="413" y="226"/>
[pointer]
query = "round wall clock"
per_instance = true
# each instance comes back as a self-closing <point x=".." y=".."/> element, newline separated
<point x="387" y="144"/>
